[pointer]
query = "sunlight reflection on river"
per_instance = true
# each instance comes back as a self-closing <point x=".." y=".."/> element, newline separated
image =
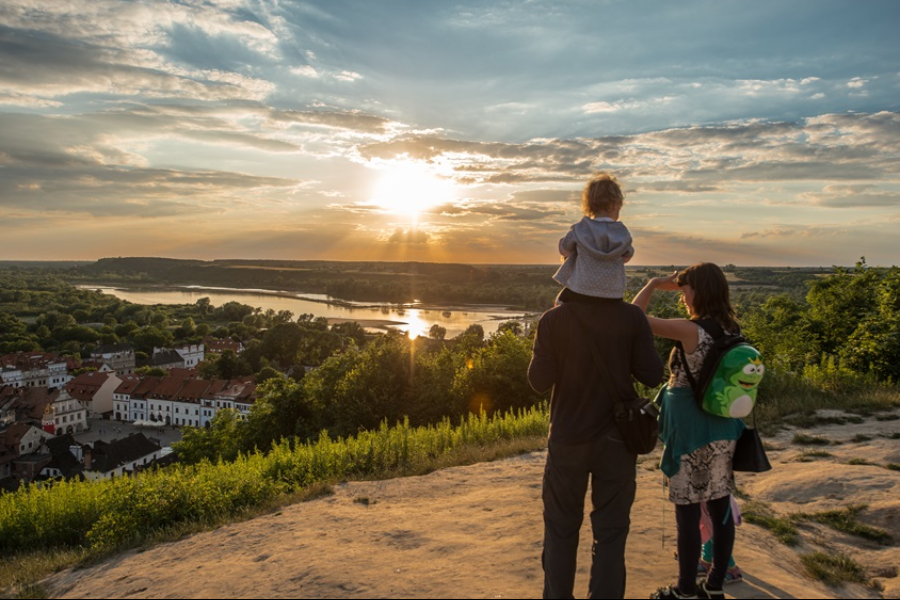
<point x="374" y="316"/>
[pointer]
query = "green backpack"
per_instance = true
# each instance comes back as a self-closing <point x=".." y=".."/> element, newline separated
<point x="730" y="375"/>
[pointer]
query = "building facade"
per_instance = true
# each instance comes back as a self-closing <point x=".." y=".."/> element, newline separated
<point x="119" y="357"/>
<point x="33" y="369"/>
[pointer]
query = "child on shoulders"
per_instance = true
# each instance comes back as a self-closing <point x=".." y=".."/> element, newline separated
<point x="596" y="248"/>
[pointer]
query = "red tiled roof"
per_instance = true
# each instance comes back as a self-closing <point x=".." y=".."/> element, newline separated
<point x="215" y="386"/>
<point x="29" y="361"/>
<point x="168" y="388"/>
<point x="146" y="387"/>
<point x="34" y="400"/>
<point x="12" y="435"/>
<point x="7" y="393"/>
<point x="183" y="373"/>
<point x="90" y="378"/>
<point x="193" y="390"/>
<point x="239" y="391"/>
<point x="85" y="386"/>
<point x="129" y="384"/>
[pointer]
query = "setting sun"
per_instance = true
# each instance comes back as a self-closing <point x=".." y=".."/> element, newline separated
<point x="407" y="188"/>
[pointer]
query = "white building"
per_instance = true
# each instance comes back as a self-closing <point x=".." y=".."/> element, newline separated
<point x="33" y="369"/>
<point x="190" y="356"/>
<point x="193" y="355"/>
<point x="95" y="391"/>
<point x="119" y="357"/>
<point x="180" y="401"/>
<point x="22" y="438"/>
<point x="120" y="457"/>
<point x="122" y="405"/>
<point x="54" y="410"/>
<point x="64" y="414"/>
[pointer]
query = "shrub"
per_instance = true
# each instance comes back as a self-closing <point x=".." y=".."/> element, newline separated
<point x="833" y="568"/>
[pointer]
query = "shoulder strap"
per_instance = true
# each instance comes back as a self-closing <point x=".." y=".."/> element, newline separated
<point x="711" y="326"/>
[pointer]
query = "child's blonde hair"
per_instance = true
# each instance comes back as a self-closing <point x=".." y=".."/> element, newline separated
<point x="602" y="194"/>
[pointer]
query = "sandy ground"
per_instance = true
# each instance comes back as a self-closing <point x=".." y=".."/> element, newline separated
<point x="475" y="532"/>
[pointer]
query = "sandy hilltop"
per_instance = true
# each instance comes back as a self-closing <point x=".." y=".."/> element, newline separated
<point x="475" y="532"/>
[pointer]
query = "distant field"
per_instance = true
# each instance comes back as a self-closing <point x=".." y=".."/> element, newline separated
<point x="527" y="287"/>
<point x="44" y="264"/>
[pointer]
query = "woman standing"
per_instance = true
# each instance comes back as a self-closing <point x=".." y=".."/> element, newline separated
<point x="698" y="446"/>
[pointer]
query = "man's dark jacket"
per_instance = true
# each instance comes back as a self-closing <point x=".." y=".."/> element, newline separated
<point x="581" y="405"/>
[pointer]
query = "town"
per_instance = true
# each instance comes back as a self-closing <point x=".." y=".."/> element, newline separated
<point x="63" y="418"/>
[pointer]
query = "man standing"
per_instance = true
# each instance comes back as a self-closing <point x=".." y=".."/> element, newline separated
<point x="584" y="441"/>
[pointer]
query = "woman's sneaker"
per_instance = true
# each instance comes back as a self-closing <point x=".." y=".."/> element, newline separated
<point x="669" y="592"/>
<point x="705" y="592"/>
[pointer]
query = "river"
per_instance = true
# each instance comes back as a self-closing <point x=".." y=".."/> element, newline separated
<point x="413" y="319"/>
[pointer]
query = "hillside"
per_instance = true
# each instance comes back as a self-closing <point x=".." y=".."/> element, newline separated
<point x="475" y="532"/>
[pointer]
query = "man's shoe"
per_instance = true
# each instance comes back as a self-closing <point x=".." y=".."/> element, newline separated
<point x="705" y="592"/>
<point x="669" y="592"/>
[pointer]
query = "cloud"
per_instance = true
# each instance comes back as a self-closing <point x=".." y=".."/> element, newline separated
<point x="357" y="208"/>
<point x="82" y="170"/>
<point x="548" y="197"/>
<point x="305" y="71"/>
<point x="408" y="236"/>
<point x="104" y="191"/>
<point x="793" y="232"/>
<point x="348" y="76"/>
<point x="28" y="101"/>
<point x="677" y="187"/>
<point x="850" y="196"/>
<point x="609" y="107"/>
<point x="350" y="120"/>
<point x="625" y="105"/>
<point x="46" y="65"/>
<point x="692" y="159"/>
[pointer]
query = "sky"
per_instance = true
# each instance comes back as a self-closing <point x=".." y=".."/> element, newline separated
<point x="750" y="133"/>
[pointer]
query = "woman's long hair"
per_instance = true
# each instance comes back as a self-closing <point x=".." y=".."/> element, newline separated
<point x="711" y="296"/>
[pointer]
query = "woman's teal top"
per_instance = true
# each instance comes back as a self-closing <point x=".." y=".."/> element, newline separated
<point x="685" y="427"/>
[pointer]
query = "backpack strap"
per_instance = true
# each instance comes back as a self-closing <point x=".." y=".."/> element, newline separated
<point x="710" y="326"/>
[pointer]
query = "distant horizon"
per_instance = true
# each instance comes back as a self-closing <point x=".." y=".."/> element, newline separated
<point x="745" y="133"/>
<point x="628" y="266"/>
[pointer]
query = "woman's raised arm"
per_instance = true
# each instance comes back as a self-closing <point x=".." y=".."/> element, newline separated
<point x="682" y="330"/>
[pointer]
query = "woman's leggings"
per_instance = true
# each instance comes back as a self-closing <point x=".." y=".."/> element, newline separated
<point x="687" y="517"/>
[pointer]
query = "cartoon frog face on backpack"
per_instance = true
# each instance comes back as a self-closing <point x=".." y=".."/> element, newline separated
<point x="750" y="375"/>
<point x="736" y="381"/>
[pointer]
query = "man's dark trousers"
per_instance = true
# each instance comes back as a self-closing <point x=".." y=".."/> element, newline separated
<point x="611" y="468"/>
